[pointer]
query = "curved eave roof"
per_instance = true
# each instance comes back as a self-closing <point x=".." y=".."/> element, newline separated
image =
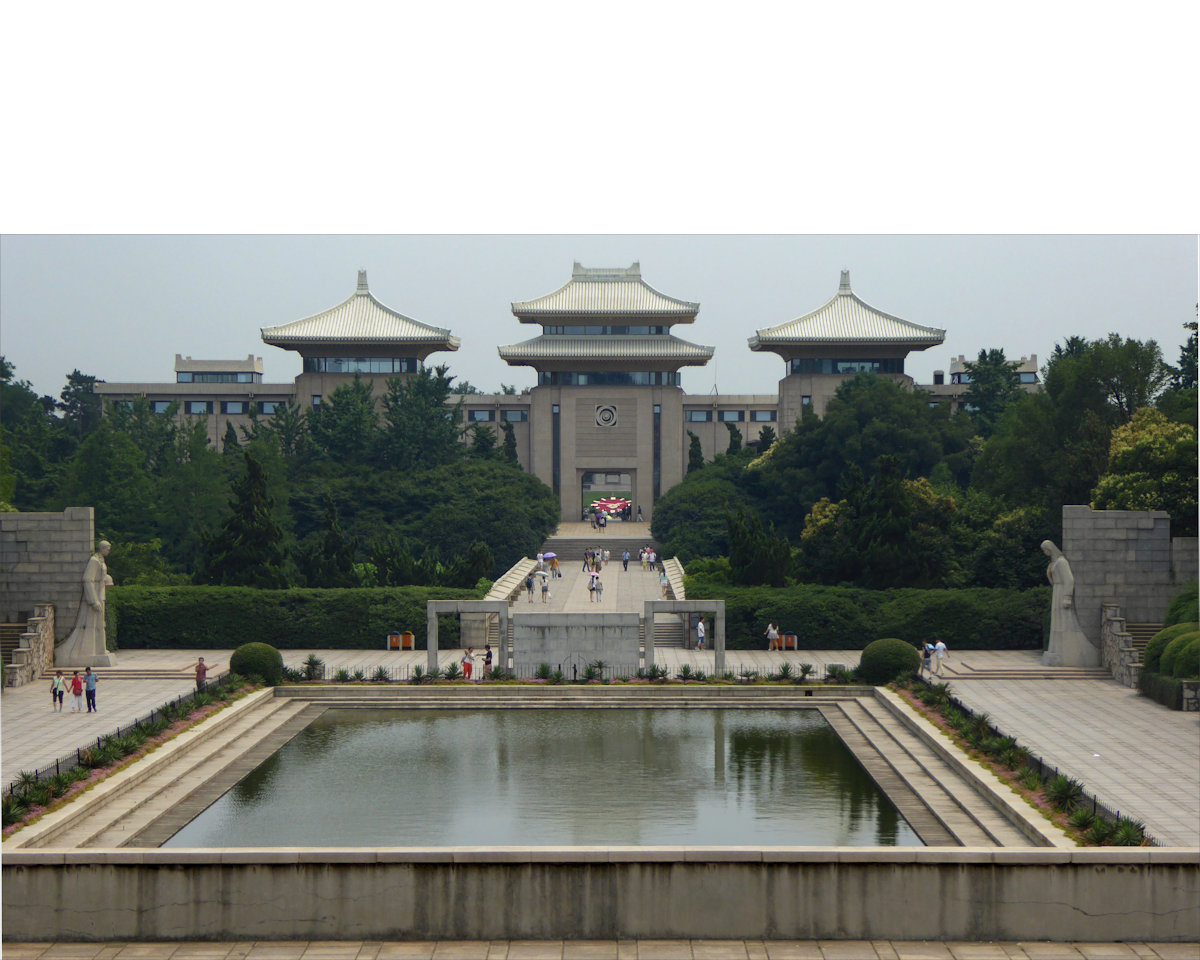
<point x="661" y="348"/>
<point x="847" y="319"/>
<point x="606" y="293"/>
<point x="360" y="319"/>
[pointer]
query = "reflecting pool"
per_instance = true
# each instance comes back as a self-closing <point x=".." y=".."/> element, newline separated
<point x="556" y="778"/>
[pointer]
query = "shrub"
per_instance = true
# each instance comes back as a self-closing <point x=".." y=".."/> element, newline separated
<point x="259" y="660"/>
<point x="342" y="675"/>
<point x="205" y="617"/>
<point x="1128" y="833"/>
<point x="885" y="660"/>
<point x="1165" y="690"/>
<point x="1081" y="818"/>
<point x="1100" y="831"/>
<point x="314" y="668"/>
<point x="1031" y="779"/>
<point x="1158" y="643"/>
<point x="542" y="672"/>
<point x="381" y="674"/>
<point x="1064" y="792"/>
<point x="1187" y="660"/>
<point x="1185" y="607"/>
<point x="452" y="671"/>
<point x="1166" y="665"/>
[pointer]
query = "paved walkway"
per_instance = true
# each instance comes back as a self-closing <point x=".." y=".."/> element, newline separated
<point x="603" y="950"/>
<point x="624" y="590"/>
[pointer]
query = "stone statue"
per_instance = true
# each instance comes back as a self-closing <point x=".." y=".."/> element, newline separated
<point x="85" y="647"/>
<point x="1069" y="645"/>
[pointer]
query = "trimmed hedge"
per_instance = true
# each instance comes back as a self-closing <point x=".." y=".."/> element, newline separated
<point x="258" y="661"/>
<point x="1158" y="643"/>
<point x="1166" y="665"/>
<point x="886" y="659"/>
<point x="847" y="618"/>
<point x="196" y="618"/>
<point x="1165" y="690"/>
<point x="1187" y="660"/>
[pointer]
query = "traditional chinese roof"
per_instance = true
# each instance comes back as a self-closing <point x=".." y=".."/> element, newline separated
<point x="655" y="348"/>
<point x="847" y="319"/>
<point x="360" y="319"/>
<point x="605" y="292"/>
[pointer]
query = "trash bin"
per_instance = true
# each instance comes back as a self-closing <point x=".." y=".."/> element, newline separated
<point x="408" y="641"/>
<point x="393" y="642"/>
<point x="789" y="641"/>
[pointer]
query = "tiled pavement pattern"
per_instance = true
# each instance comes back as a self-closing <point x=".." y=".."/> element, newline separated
<point x="602" y="950"/>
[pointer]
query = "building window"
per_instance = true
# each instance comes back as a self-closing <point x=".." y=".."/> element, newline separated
<point x="731" y="416"/>
<point x="316" y="400"/>
<point x="960" y="378"/>
<point x="191" y="376"/>
<point x="233" y="406"/>
<point x="267" y="407"/>
<point x="360" y="364"/>
<point x="603" y="330"/>
<point x="197" y="407"/>
<point x="806" y="401"/>
<point x="763" y="416"/>
<point x="161" y="406"/>
<point x="846" y="367"/>
<point x="514" y="416"/>
<point x="122" y="404"/>
<point x="609" y="378"/>
<point x="698" y="416"/>
<point x="1029" y="378"/>
<point x="481" y="416"/>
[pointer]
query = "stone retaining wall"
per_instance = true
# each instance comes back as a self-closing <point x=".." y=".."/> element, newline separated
<point x="36" y="650"/>
<point x="580" y="893"/>
<point x="42" y="556"/>
<point x="1117" y="652"/>
<point x="1126" y="557"/>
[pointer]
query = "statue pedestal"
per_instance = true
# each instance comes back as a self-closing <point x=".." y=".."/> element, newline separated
<point x="1071" y="649"/>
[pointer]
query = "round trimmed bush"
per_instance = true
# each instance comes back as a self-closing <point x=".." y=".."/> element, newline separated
<point x="1166" y="666"/>
<point x="885" y="660"/>
<point x="1158" y="643"/>
<point x="1187" y="660"/>
<point x="258" y="660"/>
<point x="1185" y="607"/>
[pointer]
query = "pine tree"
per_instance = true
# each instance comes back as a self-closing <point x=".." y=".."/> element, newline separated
<point x="735" y="438"/>
<point x="695" y="454"/>
<point x="509" y="447"/>
<point x="248" y="550"/>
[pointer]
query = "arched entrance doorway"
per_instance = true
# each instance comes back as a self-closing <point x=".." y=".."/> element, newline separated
<point x="604" y="485"/>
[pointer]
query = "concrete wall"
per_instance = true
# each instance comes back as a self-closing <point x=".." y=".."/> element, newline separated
<point x="1124" y="557"/>
<point x="533" y="893"/>
<point x="42" y="557"/>
<point x="576" y="640"/>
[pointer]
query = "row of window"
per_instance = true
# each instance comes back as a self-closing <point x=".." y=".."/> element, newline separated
<point x="1026" y="377"/>
<point x="360" y="364"/>
<point x="847" y="367"/>
<point x="606" y="330"/>
<point x="187" y="376"/>
<point x="489" y="416"/>
<point x="729" y="416"/>
<point x="609" y="378"/>
<point x="202" y="407"/>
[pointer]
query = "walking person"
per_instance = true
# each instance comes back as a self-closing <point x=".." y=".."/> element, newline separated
<point x="599" y="589"/>
<point x="468" y="661"/>
<point x="625" y="560"/>
<point x="545" y="590"/>
<point x="58" y="690"/>
<point x="700" y="634"/>
<point x="201" y="675"/>
<point x="772" y="636"/>
<point x="487" y="661"/>
<point x="76" y="693"/>
<point x="926" y="658"/>
<point x="939" y="654"/>
<point x="89" y="689"/>
<point x="529" y="587"/>
<point x="591" y="590"/>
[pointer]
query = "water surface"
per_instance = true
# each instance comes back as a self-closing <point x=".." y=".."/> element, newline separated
<point x="556" y="777"/>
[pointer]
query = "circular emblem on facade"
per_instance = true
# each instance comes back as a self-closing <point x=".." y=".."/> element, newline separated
<point x="606" y="415"/>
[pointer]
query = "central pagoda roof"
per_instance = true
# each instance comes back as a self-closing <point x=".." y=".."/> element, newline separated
<point x="360" y="320"/>
<point x="846" y="319"/>
<point x="605" y="292"/>
<point x="660" y="349"/>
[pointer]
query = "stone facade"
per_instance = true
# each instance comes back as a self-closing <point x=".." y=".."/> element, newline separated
<point x="571" y="641"/>
<point x="42" y="558"/>
<point x="1126" y="557"/>
<point x="1117" y="652"/>
<point x="36" y="650"/>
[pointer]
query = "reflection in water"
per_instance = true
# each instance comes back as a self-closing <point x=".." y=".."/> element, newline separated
<point x="547" y="777"/>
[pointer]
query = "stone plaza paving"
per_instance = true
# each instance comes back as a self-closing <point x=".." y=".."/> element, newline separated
<point x="601" y="950"/>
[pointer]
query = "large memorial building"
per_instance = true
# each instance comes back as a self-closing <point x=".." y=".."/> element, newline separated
<point x="608" y="415"/>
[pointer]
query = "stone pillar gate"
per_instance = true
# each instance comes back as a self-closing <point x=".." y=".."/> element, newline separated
<point x="714" y="607"/>
<point x="435" y="607"/>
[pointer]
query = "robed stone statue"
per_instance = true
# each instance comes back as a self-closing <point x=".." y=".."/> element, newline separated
<point x="85" y="647"/>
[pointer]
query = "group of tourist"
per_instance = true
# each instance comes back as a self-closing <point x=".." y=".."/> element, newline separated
<point x="933" y="655"/>
<point x="530" y="586"/>
<point x="594" y="560"/>
<point x="80" y="686"/>
<point x="468" y="663"/>
<point x="548" y="563"/>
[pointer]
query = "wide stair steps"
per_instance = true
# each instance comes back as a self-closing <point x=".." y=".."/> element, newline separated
<point x="128" y="673"/>
<point x="10" y="639"/>
<point x="669" y="632"/>
<point x="1141" y="634"/>
<point x="231" y="743"/>
<point x="963" y="671"/>
<point x="571" y="549"/>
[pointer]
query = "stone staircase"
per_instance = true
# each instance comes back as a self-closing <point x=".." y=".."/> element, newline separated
<point x="1141" y="633"/>
<point x="10" y="638"/>
<point x="571" y="548"/>
<point x="962" y="670"/>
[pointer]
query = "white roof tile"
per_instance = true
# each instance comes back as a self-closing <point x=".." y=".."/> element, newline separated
<point x="361" y="318"/>
<point x="593" y="292"/>
<point x="847" y="319"/>
<point x="664" y="347"/>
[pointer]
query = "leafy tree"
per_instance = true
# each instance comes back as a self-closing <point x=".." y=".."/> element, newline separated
<point x="345" y="426"/>
<point x="1185" y="377"/>
<point x="1152" y="466"/>
<point x="108" y="471"/>
<point x="766" y="437"/>
<point x="418" y="429"/>
<point x="230" y="444"/>
<point x="17" y="397"/>
<point x="995" y="385"/>
<point x="153" y="433"/>
<point x="689" y="519"/>
<point x="329" y="562"/>
<point x="290" y="428"/>
<point x="248" y="549"/>
<point x="192" y="491"/>
<point x="695" y="453"/>
<point x="483" y="441"/>
<point x="508" y="449"/>
<point x="756" y="555"/>
<point x="80" y="405"/>
<point x="735" y="438"/>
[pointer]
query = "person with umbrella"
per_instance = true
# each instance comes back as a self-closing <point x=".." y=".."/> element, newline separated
<point x="545" y="586"/>
<point x="551" y="559"/>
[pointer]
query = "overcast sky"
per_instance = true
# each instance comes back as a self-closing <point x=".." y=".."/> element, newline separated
<point x="120" y="308"/>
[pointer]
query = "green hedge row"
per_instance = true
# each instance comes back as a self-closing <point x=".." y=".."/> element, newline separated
<point x="194" y="618"/>
<point x="1162" y="689"/>
<point x="848" y="618"/>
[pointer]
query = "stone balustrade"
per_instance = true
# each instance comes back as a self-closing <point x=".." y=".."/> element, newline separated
<point x="1117" y="652"/>
<point x="35" y="651"/>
